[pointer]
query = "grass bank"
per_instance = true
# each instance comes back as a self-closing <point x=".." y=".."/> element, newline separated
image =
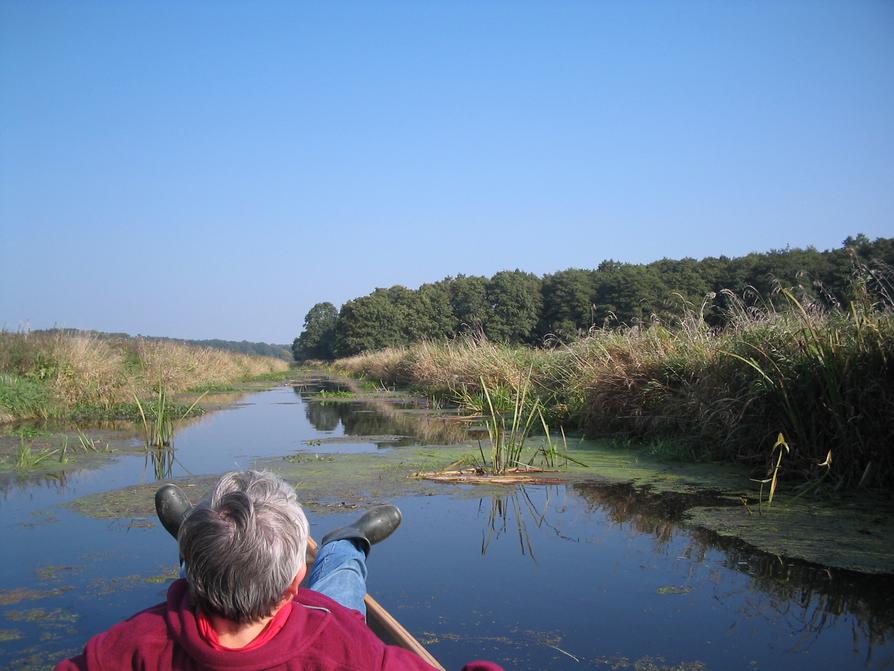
<point x="46" y="375"/>
<point x="822" y="378"/>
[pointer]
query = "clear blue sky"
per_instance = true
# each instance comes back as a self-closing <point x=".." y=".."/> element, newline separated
<point x="213" y="169"/>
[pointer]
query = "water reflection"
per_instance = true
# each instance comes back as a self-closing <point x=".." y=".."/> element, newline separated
<point x="162" y="460"/>
<point x="810" y="598"/>
<point x="12" y="482"/>
<point x="609" y="573"/>
<point x="516" y="510"/>
<point x="376" y="416"/>
<point x="322" y="416"/>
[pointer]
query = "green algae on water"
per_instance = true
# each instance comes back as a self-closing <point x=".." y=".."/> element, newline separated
<point x="849" y="535"/>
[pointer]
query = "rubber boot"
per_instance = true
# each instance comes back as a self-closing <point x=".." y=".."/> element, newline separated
<point x="372" y="527"/>
<point x="172" y="506"/>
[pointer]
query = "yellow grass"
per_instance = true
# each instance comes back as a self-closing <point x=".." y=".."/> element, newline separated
<point x="93" y="371"/>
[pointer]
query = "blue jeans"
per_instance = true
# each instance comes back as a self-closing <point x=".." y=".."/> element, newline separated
<point x="339" y="572"/>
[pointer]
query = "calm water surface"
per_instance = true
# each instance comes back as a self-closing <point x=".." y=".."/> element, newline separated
<point x="542" y="577"/>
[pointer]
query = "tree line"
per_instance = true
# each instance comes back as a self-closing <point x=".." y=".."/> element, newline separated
<point x="519" y="307"/>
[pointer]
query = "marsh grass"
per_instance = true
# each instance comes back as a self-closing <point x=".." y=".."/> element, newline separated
<point x="72" y="375"/>
<point x="822" y="376"/>
<point x="23" y="398"/>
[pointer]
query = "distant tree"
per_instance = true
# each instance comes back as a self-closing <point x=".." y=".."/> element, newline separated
<point x="384" y="318"/>
<point x="627" y="293"/>
<point x="317" y="339"/>
<point x="683" y="286"/>
<point x="468" y="298"/>
<point x="567" y="303"/>
<point x="518" y="307"/>
<point x="515" y="304"/>
<point x="436" y="311"/>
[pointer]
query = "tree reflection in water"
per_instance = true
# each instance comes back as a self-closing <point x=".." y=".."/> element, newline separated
<point x="810" y="597"/>
<point x="376" y="416"/>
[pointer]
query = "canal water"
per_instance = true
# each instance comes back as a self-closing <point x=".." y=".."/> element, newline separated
<point x="580" y="576"/>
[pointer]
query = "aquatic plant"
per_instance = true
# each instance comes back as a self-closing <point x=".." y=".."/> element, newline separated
<point x="159" y="418"/>
<point x="508" y="433"/>
<point x="335" y="393"/>
<point x="780" y="447"/>
<point x="27" y="459"/>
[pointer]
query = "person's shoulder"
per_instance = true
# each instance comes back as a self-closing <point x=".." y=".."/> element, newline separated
<point x="140" y="633"/>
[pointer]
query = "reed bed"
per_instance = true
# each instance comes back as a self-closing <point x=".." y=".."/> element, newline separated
<point x="47" y="374"/>
<point x="823" y="378"/>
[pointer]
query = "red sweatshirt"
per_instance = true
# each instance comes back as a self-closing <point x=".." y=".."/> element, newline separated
<point x="320" y="635"/>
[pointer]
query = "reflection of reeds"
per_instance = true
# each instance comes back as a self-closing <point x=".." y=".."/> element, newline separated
<point x="162" y="459"/>
<point x="515" y="505"/>
<point x="807" y="596"/>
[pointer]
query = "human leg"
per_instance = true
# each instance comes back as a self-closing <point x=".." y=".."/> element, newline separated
<point x="339" y="572"/>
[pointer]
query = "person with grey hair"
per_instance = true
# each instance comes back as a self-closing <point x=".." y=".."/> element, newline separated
<point x="240" y="605"/>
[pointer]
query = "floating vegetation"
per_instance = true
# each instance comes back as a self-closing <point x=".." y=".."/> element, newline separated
<point x="100" y="587"/>
<point x="55" y="573"/>
<point x="675" y="589"/>
<point x="303" y="458"/>
<point x="170" y="575"/>
<point x="19" y="594"/>
<point x="10" y="635"/>
<point x="336" y="393"/>
<point x="55" y="615"/>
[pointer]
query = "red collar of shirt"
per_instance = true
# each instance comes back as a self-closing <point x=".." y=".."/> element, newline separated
<point x="277" y="622"/>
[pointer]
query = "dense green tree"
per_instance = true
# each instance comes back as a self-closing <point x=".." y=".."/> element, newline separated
<point x="683" y="287"/>
<point x="567" y="303"/>
<point x="627" y="293"/>
<point x="369" y="323"/>
<point x="436" y="311"/>
<point x="468" y="298"/>
<point x="515" y="303"/>
<point x="518" y="307"/>
<point x="317" y="339"/>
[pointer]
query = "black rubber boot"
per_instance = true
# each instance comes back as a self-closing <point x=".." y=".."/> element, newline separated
<point x="172" y="506"/>
<point x="373" y="527"/>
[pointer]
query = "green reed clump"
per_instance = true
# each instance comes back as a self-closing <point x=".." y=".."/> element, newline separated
<point x="159" y="417"/>
<point x="27" y="459"/>
<point x="509" y="432"/>
<point x="23" y="398"/>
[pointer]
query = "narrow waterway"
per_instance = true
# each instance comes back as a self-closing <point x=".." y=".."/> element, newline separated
<point x="585" y="575"/>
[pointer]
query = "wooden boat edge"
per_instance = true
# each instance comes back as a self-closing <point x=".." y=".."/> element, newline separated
<point x="384" y="624"/>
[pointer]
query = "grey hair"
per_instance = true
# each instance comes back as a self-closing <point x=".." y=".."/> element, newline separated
<point x="244" y="546"/>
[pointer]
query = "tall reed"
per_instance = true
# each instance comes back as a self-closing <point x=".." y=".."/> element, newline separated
<point x="823" y="376"/>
